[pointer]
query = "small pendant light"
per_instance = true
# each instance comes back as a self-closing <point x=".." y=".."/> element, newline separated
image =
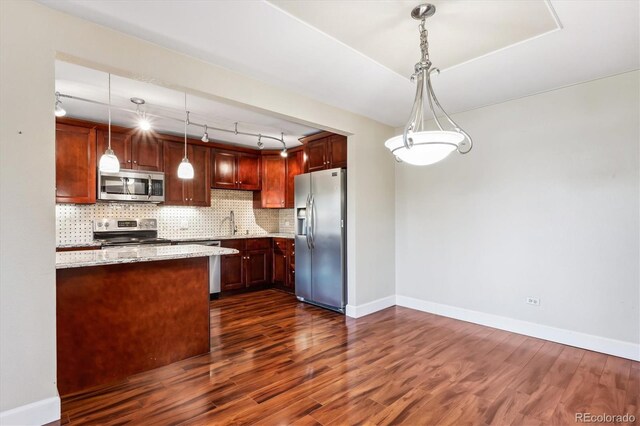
<point x="185" y="169"/>
<point x="109" y="163"/>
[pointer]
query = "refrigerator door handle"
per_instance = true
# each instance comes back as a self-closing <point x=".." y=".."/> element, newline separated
<point x="313" y="222"/>
<point x="307" y="220"/>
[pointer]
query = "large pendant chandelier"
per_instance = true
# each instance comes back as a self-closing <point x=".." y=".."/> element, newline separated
<point x="417" y="145"/>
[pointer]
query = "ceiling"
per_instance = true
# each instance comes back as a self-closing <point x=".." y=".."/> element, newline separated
<point x="383" y="31"/>
<point x="489" y="51"/>
<point x="165" y="109"/>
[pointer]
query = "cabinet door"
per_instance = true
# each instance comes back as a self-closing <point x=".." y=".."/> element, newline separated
<point x="199" y="193"/>
<point x="257" y="267"/>
<point x="75" y="164"/>
<point x="232" y="266"/>
<point x="249" y="172"/>
<point x="224" y="170"/>
<point x="146" y="152"/>
<point x="290" y="282"/>
<point x="337" y="149"/>
<point x="317" y="155"/>
<point x="120" y="144"/>
<point x="272" y="194"/>
<point x="295" y="162"/>
<point x="174" y="187"/>
<point x="279" y="262"/>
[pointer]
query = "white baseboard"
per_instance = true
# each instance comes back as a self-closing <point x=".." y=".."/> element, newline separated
<point x="36" y="413"/>
<point x="572" y="338"/>
<point x="371" y="307"/>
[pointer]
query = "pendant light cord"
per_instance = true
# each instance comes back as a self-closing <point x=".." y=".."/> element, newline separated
<point x="185" y="124"/>
<point x="109" y="142"/>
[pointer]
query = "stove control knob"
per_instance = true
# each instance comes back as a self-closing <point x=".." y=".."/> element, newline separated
<point x="99" y="224"/>
<point x="106" y="224"/>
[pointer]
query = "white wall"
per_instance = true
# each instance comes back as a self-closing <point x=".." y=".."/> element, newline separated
<point x="32" y="36"/>
<point x="546" y="205"/>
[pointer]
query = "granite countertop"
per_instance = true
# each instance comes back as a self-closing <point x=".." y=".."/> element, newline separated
<point x="205" y="238"/>
<point x="113" y="255"/>
<point x="234" y="237"/>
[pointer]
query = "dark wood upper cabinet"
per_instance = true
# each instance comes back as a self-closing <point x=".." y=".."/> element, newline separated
<point x="199" y="188"/>
<point x="224" y="170"/>
<point x="75" y="164"/>
<point x="135" y="151"/>
<point x="337" y="149"/>
<point x="146" y="153"/>
<point x="272" y="194"/>
<point x="325" y="151"/>
<point x="295" y="167"/>
<point x="236" y="170"/>
<point x="120" y="144"/>
<point x="249" y="172"/>
<point x="316" y="156"/>
<point x="173" y="152"/>
<point x="186" y="192"/>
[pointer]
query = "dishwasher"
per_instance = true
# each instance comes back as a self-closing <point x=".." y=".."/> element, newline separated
<point x="214" y="266"/>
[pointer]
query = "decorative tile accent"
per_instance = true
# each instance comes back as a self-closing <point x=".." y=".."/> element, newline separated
<point x="74" y="222"/>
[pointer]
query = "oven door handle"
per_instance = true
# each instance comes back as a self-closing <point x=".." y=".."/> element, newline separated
<point x="150" y="183"/>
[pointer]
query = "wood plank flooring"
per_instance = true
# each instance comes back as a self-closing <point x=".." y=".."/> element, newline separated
<point x="276" y="361"/>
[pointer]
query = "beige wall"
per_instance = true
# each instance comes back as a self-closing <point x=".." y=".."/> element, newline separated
<point x="546" y="205"/>
<point x="32" y="37"/>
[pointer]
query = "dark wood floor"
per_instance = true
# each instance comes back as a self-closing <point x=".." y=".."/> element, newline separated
<point x="276" y="361"/>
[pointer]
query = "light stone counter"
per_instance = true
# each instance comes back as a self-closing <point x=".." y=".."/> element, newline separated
<point x="113" y="255"/>
<point x="205" y="238"/>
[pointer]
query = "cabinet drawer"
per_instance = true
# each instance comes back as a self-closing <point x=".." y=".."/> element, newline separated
<point x="258" y="243"/>
<point x="280" y="244"/>
<point x="234" y="244"/>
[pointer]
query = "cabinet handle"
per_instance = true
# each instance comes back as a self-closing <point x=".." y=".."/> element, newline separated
<point x="135" y="162"/>
<point x="128" y="161"/>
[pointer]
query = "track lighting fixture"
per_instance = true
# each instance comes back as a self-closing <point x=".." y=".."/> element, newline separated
<point x="143" y="122"/>
<point x="185" y="169"/>
<point x="284" y="153"/>
<point x="109" y="162"/>
<point x="59" y="111"/>
<point x="205" y="135"/>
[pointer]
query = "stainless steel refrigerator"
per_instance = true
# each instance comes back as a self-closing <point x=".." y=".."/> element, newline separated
<point x="320" y="209"/>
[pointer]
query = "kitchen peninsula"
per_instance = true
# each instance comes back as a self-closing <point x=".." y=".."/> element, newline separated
<point x="125" y="310"/>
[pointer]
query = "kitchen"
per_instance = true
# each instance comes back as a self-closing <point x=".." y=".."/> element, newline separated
<point x="494" y="285"/>
<point x="247" y="206"/>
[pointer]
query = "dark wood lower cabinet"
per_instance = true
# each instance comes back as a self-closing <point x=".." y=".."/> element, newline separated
<point x="284" y="264"/>
<point x="251" y="267"/>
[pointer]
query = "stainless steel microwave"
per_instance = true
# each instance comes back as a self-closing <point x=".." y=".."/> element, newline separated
<point x="131" y="185"/>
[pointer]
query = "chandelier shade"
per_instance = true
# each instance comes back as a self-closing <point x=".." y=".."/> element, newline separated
<point x="418" y="145"/>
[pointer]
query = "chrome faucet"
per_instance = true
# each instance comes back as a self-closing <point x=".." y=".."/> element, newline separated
<point x="232" y="222"/>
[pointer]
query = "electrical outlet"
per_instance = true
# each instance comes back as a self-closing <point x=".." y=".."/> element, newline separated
<point x="533" y="301"/>
<point x="184" y="224"/>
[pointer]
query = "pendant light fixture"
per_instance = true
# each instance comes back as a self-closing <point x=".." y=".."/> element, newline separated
<point x="109" y="163"/>
<point x="59" y="111"/>
<point x="417" y="145"/>
<point x="185" y="169"/>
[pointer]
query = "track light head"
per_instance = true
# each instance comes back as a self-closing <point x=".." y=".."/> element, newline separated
<point x="205" y="135"/>
<point x="260" y="143"/>
<point x="59" y="111"/>
<point x="284" y="153"/>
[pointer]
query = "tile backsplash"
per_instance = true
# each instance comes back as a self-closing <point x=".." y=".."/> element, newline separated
<point x="74" y="221"/>
<point x="286" y="221"/>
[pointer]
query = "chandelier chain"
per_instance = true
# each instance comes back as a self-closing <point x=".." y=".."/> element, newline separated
<point x="424" y="42"/>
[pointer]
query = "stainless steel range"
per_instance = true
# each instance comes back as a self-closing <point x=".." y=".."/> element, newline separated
<point x="127" y="232"/>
